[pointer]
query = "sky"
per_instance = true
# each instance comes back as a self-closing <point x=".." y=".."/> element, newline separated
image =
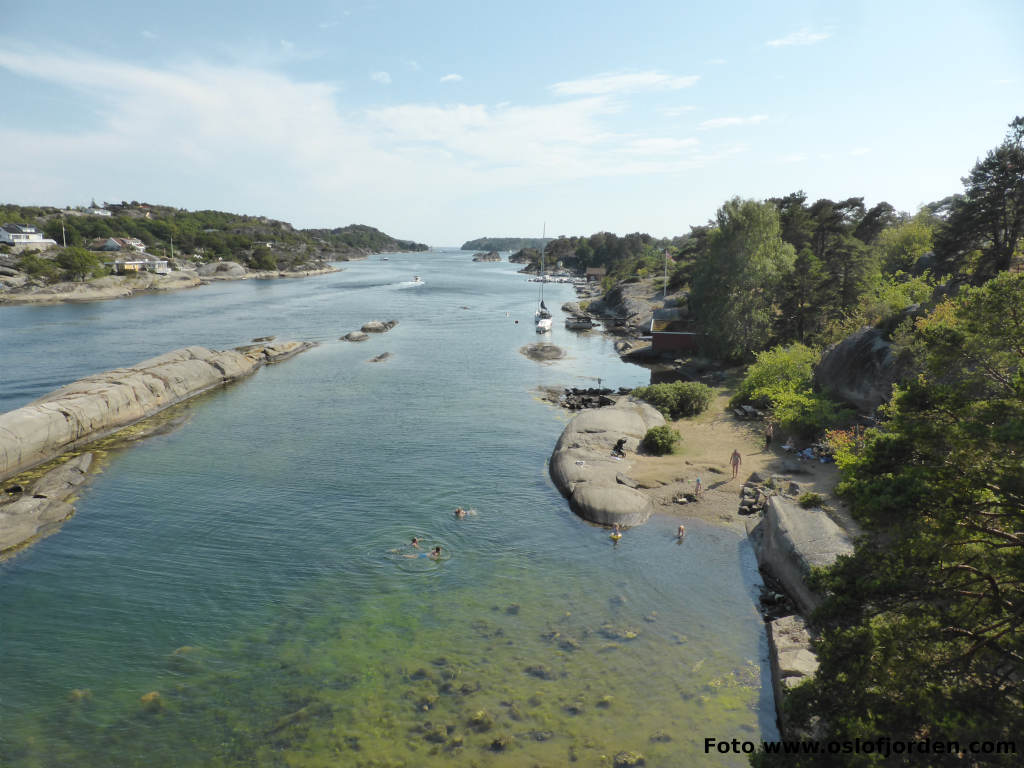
<point x="445" y="121"/>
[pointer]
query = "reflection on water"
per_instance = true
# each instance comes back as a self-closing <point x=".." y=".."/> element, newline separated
<point x="227" y="593"/>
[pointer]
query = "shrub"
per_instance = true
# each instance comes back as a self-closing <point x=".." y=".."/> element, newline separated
<point x="660" y="440"/>
<point x="810" y="500"/>
<point x="31" y="263"/>
<point x="678" y="398"/>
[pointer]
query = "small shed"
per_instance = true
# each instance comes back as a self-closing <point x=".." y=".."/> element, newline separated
<point x="671" y="332"/>
<point x="596" y="274"/>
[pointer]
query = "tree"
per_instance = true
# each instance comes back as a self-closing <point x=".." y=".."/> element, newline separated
<point x="989" y="217"/>
<point x="803" y="298"/>
<point x="262" y="258"/>
<point x="902" y="245"/>
<point x="922" y="635"/>
<point x="78" y="263"/>
<point x="735" y="281"/>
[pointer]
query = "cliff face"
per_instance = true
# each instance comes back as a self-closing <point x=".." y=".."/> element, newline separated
<point x="98" y="405"/>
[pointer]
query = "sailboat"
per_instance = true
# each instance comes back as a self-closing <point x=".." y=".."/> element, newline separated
<point x="542" y="317"/>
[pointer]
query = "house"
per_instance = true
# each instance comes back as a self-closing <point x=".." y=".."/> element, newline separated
<point x="670" y="332"/>
<point x="596" y="274"/>
<point x="17" y="234"/>
<point x="117" y="244"/>
<point x="140" y="264"/>
<point x="100" y="212"/>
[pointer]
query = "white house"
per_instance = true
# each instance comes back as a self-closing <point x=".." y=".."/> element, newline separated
<point x="16" y="234"/>
<point x="100" y="212"/>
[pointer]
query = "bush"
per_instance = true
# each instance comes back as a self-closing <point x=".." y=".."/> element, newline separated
<point x="781" y="381"/>
<point x="31" y="263"/>
<point x="660" y="440"/>
<point x="810" y="500"/>
<point x="678" y="398"/>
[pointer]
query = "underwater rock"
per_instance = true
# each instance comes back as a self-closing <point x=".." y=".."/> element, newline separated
<point x="502" y="742"/>
<point x="151" y="702"/>
<point x="481" y="720"/>
<point x="575" y="708"/>
<point x="512" y="609"/>
<point x="569" y="644"/>
<point x="79" y="694"/>
<point x="660" y="737"/>
<point x="541" y="671"/>
<point x="542" y="735"/>
<point x="628" y="760"/>
<point x="605" y="701"/>
<point x="437" y="734"/>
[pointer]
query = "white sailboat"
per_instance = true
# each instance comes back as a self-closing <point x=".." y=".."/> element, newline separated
<point x="542" y="317"/>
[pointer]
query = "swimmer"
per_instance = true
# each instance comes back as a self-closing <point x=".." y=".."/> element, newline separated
<point x="460" y="513"/>
<point x="415" y="542"/>
<point x="616" y="533"/>
<point x="681" y="532"/>
<point x="434" y="554"/>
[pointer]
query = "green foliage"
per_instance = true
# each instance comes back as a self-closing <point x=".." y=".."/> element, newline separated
<point x="660" y="440"/>
<point x="902" y="245"/>
<point x="781" y="380"/>
<point x="79" y="264"/>
<point x="31" y="263"/>
<point x="923" y="629"/>
<point x="505" y="243"/>
<point x="810" y="500"/>
<point x="988" y="219"/>
<point x="262" y="258"/>
<point x="677" y="399"/>
<point x="735" y="280"/>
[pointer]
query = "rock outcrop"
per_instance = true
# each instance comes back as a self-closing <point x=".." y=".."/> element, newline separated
<point x="44" y="504"/>
<point x="110" y="287"/>
<point x="489" y="256"/>
<point x="792" y="660"/>
<point x="585" y="472"/>
<point x="222" y="270"/>
<point x="860" y="369"/>
<point x="376" y="326"/>
<point x="101" y="404"/>
<point x="790" y="540"/>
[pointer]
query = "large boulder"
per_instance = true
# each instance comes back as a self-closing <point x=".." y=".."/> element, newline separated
<point x="861" y="369"/>
<point x="222" y="269"/>
<point x="792" y="540"/>
<point x="98" y="405"/>
<point x="585" y="472"/>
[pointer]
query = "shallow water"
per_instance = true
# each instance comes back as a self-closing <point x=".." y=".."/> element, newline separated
<point x="241" y="566"/>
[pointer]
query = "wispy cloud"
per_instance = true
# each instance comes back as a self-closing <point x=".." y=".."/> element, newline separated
<point x="287" y="46"/>
<point x="149" y="35"/>
<point x="725" y="122"/>
<point x="802" y="36"/>
<point x="451" y="78"/>
<point x="601" y="85"/>
<point x="327" y="24"/>
<point x="210" y="120"/>
<point x="381" y="77"/>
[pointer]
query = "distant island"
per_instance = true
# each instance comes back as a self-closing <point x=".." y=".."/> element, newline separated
<point x="119" y="249"/>
<point x="505" y="243"/>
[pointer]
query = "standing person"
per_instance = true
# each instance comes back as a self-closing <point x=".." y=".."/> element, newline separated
<point x="768" y="436"/>
<point x="697" y="488"/>
<point x="735" y="460"/>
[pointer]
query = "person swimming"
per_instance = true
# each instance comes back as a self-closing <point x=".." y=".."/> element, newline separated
<point x="460" y="513"/>
<point x="616" y="533"/>
<point x="434" y="554"/>
<point x="415" y="542"/>
<point x="681" y="532"/>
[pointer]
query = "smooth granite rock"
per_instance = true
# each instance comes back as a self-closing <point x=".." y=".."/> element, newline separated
<point x="584" y="470"/>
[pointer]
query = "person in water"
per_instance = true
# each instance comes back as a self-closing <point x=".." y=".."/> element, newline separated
<point x="434" y="554"/>
<point x="681" y="532"/>
<point x="460" y="513"/>
<point x="415" y="542"/>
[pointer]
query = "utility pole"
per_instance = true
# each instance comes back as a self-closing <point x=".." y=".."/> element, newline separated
<point x="63" y="234"/>
<point x="664" y="290"/>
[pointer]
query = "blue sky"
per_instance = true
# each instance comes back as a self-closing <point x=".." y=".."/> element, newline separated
<point x="445" y="121"/>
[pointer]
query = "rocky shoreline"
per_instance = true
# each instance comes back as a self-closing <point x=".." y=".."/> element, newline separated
<point x="123" y="286"/>
<point x="91" y="408"/>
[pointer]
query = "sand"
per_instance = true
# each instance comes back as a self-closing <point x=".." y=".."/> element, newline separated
<point x="708" y="441"/>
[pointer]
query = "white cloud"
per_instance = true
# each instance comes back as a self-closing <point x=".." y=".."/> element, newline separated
<point x="451" y="78"/>
<point x="381" y="77"/>
<point x="327" y="24"/>
<point x="601" y="85"/>
<point x="287" y="46"/>
<point x="186" y="135"/>
<point x="801" y="37"/>
<point x="149" y="35"/>
<point x="725" y="122"/>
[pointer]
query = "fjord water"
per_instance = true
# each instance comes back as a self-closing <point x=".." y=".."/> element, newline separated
<point x="242" y="567"/>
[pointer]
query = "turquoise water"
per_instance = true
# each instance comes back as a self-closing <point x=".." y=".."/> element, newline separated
<point x="241" y="567"/>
